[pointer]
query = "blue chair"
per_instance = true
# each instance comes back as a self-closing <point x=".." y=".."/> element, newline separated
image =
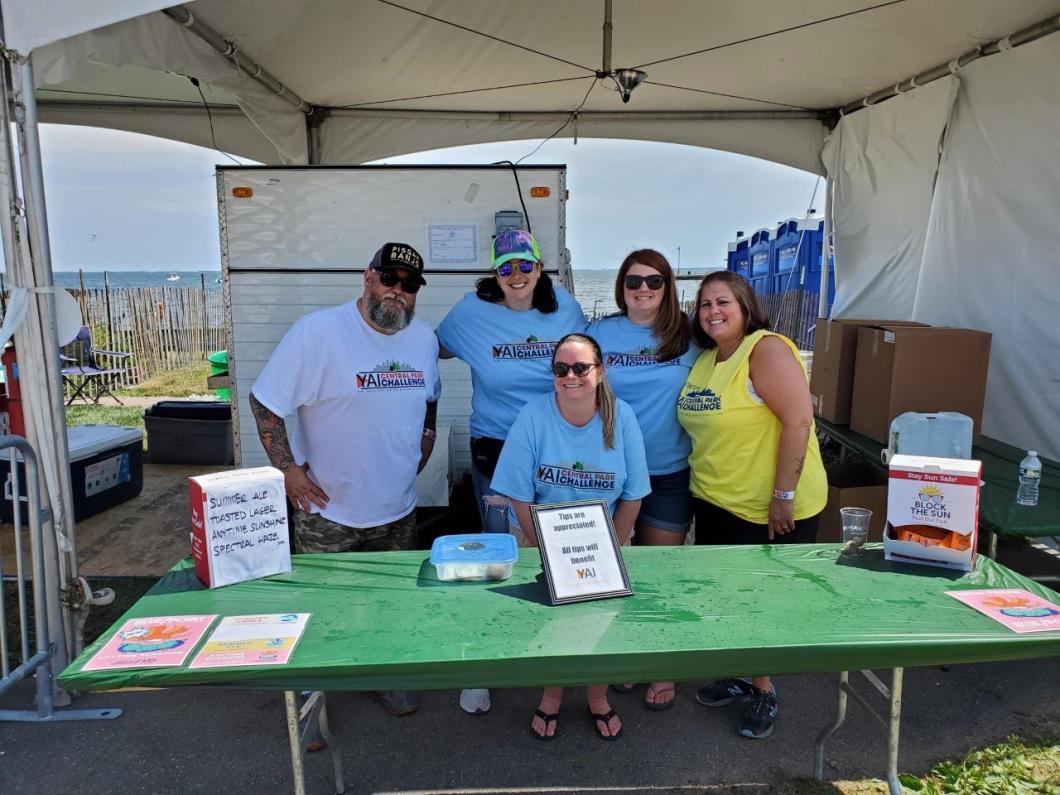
<point x="86" y="376"/>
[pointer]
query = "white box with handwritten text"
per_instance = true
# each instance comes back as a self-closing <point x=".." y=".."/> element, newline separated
<point x="239" y="525"/>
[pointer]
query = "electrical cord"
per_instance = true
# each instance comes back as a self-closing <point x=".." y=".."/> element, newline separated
<point x="518" y="190"/>
<point x="560" y="129"/>
<point x="209" y="116"/>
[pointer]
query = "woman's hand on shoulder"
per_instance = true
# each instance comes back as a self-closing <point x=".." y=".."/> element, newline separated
<point x="780" y="381"/>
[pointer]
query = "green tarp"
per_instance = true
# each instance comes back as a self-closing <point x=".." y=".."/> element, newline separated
<point x="383" y="621"/>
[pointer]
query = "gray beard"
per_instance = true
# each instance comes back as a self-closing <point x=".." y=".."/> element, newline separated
<point x="389" y="314"/>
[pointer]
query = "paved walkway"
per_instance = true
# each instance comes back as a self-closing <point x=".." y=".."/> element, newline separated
<point x="230" y="741"/>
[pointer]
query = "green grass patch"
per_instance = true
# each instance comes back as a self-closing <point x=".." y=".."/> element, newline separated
<point x="179" y="382"/>
<point x="129" y="416"/>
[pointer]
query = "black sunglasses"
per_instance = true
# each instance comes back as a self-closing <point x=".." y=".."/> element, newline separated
<point x="655" y="281"/>
<point x="560" y="369"/>
<point x="410" y="284"/>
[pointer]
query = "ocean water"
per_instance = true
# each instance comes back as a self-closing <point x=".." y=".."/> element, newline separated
<point x="594" y="289"/>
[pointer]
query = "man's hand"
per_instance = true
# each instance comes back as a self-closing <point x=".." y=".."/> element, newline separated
<point x="302" y="491"/>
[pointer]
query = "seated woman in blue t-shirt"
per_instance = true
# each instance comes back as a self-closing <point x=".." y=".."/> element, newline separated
<point x="580" y="426"/>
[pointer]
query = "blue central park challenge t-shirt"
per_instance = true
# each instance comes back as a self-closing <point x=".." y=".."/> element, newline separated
<point x="649" y="386"/>
<point x="509" y="354"/>
<point x="546" y="460"/>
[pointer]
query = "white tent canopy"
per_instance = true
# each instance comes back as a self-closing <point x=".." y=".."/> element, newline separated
<point x="943" y="196"/>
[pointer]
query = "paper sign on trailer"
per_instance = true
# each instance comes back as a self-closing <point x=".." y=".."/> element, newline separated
<point x="933" y="511"/>
<point x="239" y="525"/>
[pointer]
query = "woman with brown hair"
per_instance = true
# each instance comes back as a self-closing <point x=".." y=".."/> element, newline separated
<point x="648" y="354"/>
<point x="578" y="442"/>
<point x="757" y="476"/>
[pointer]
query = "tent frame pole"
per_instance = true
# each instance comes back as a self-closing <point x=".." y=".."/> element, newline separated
<point x="826" y="249"/>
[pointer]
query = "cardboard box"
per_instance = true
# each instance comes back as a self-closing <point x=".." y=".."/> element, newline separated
<point x="933" y="511"/>
<point x="930" y="369"/>
<point x="832" y="378"/>
<point x="239" y="525"/>
<point x="854" y="485"/>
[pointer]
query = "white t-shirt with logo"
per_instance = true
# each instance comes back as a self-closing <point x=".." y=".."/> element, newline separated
<point x="359" y="399"/>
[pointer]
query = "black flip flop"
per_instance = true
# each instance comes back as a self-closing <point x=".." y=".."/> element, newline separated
<point x="606" y="720"/>
<point x="660" y="706"/>
<point x="622" y="688"/>
<point x="553" y="718"/>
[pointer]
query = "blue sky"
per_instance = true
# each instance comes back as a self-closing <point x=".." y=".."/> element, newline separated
<point x="121" y="201"/>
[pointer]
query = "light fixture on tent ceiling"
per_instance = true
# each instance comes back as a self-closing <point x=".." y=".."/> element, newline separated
<point x="625" y="79"/>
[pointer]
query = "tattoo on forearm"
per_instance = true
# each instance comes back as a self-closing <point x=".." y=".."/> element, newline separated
<point x="430" y="417"/>
<point x="798" y="464"/>
<point x="273" y="435"/>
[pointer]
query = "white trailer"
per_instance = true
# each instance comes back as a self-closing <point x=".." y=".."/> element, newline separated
<point x="296" y="239"/>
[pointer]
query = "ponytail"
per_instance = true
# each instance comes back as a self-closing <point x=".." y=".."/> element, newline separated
<point x="605" y="404"/>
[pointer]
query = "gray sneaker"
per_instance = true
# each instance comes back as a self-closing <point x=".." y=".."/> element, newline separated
<point x="724" y="691"/>
<point x="398" y="702"/>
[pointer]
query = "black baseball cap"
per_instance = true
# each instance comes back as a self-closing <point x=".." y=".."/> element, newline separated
<point x="398" y="255"/>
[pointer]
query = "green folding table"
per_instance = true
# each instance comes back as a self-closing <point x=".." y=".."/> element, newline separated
<point x="999" y="513"/>
<point x="383" y="621"/>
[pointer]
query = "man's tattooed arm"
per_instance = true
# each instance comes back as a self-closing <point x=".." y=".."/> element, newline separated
<point x="273" y="435"/>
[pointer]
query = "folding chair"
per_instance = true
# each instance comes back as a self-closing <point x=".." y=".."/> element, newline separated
<point x="82" y="371"/>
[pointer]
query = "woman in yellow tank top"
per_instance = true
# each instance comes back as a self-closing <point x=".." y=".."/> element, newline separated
<point x="756" y="471"/>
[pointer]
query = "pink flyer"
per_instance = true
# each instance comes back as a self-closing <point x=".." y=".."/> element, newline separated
<point x="1019" y="610"/>
<point x="240" y="641"/>
<point x="157" y="642"/>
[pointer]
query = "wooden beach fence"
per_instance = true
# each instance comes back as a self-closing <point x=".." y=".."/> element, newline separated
<point x="163" y="327"/>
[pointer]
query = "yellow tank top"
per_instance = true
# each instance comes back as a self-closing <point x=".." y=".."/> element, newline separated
<point x="735" y="437"/>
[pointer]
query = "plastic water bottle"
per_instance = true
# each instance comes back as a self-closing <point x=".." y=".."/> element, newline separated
<point x="1030" y="476"/>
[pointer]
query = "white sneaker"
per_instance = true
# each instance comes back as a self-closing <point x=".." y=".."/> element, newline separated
<point x="475" y="700"/>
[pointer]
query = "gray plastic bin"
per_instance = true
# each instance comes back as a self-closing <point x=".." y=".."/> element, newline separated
<point x="189" y="432"/>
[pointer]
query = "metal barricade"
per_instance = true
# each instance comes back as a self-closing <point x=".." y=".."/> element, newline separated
<point x="35" y="664"/>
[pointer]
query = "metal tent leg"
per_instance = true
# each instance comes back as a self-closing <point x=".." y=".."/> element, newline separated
<point x="300" y="725"/>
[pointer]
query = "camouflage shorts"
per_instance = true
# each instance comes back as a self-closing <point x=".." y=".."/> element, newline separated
<point x="314" y="533"/>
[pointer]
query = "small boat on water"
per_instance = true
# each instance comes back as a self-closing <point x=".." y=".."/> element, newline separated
<point x="173" y="277"/>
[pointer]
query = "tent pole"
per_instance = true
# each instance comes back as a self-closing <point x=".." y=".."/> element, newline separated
<point x="826" y="247"/>
<point x="41" y="382"/>
<point x="1028" y="34"/>
<point x="183" y="17"/>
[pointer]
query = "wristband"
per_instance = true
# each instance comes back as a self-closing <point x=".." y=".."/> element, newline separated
<point x="430" y="434"/>
<point x="783" y="495"/>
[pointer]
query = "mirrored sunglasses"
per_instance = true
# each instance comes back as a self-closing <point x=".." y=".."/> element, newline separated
<point x="506" y="269"/>
<point x="655" y="281"/>
<point x="560" y="369"/>
<point x="410" y="284"/>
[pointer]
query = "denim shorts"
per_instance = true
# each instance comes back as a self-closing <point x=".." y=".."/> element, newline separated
<point x="669" y="506"/>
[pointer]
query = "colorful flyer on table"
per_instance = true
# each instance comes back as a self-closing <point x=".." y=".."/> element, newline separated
<point x="157" y="642"/>
<point x="252" y="640"/>
<point x="1019" y="610"/>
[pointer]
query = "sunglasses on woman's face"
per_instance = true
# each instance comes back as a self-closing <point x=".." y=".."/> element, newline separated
<point x="655" y="281"/>
<point x="410" y="284"/>
<point x="507" y="269"/>
<point x="560" y="369"/>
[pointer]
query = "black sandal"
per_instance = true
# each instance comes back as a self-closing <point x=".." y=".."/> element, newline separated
<point x="622" y="688"/>
<point x="606" y="720"/>
<point x="553" y="718"/>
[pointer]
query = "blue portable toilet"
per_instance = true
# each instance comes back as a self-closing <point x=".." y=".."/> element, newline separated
<point x="761" y="250"/>
<point x="739" y="255"/>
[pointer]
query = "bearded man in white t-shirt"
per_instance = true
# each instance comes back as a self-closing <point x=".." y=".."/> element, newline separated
<point x="357" y="378"/>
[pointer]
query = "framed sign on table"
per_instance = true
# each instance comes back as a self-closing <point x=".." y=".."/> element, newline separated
<point x="580" y="552"/>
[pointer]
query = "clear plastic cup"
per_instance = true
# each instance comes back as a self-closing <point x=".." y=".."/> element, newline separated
<point x="855" y="530"/>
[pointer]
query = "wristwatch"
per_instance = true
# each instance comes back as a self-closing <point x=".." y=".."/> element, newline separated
<point x="783" y="495"/>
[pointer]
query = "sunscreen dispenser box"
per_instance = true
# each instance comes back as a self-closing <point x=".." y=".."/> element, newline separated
<point x="933" y="511"/>
<point x="239" y="525"/>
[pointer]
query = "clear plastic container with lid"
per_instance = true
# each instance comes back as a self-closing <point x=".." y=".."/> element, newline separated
<point x="474" y="557"/>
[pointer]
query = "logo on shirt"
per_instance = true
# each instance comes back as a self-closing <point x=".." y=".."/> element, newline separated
<point x="575" y="476"/>
<point x="532" y="348"/>
<point x="645" y="357"/>
<point x="389" y="376"/>
<point x="699" y="400"/>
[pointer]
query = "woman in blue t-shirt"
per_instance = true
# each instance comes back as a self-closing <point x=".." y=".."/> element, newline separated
<point x="648" y="351"/>
<point x="505" y="331"/>
<point x="581" y="426"/>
